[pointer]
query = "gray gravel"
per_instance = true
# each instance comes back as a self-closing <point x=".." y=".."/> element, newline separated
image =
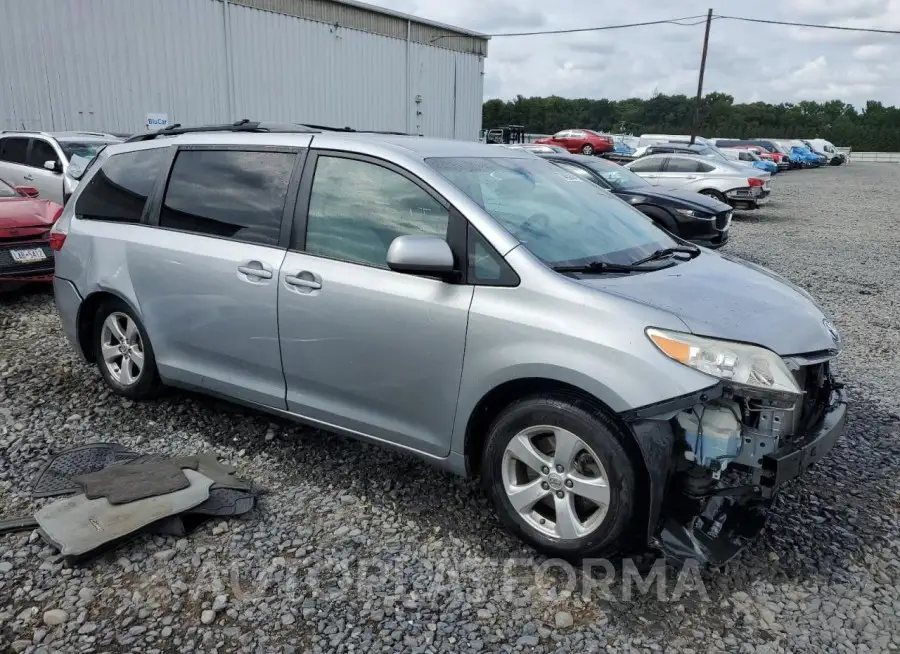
<point x="358" y="549"/>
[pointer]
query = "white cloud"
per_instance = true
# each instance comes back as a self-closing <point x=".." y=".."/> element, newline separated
<point x="747" y="60"/>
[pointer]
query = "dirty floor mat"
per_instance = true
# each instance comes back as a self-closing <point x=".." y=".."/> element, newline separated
<point x="136" y="481"/>
<point x="76" y="526"/>
<point x="55" y="478"/>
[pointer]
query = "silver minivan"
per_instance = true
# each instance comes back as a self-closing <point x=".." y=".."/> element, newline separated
<point x="612" y="386"/>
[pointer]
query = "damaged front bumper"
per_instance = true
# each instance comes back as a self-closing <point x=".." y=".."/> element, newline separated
<point x="710" y="519"/>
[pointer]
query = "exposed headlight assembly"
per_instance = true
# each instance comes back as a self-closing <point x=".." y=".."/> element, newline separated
<point x="750" y="367"/>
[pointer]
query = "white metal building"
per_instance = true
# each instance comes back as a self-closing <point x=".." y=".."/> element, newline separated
<point x="104" y="65"/>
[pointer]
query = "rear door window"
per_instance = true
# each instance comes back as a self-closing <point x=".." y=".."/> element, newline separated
<point x="233" y="194"/>
<point x="14" y="149"/>
<point x="683" y="165"/>
<point x="119" y="190"/>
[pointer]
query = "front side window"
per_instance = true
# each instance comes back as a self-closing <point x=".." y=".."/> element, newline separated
<point x="617" y="176"/>
<point x="357" y="209"/>
<point x="13" y="149"/>
<point x="232" y="194"/>
<point x="41" y="153"/>
<point x="559" y="217"/>
<point x="119" y="190"/>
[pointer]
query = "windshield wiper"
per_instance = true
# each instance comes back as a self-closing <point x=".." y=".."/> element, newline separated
<point x="601" y="267"/>
<point x="692" y="251"/>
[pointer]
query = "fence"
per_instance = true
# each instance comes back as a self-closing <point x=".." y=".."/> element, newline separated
<point x="879" y="157"/>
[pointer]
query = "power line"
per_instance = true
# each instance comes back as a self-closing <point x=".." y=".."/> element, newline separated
<point x="824" y="27"/>
<point x="671" y="21"/>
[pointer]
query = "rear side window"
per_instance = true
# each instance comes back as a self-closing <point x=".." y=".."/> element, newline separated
<point x="13" y="150"/>
<point x="119" y="190"/>
<point x="678" y="165"/>
<point x="228" y="193"/>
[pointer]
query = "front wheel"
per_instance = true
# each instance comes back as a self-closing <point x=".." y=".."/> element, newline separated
<point x="588" y="149"/>
<point x="123" y="352"/>
<point x="559" y="476"/>
<point x="711" y="193"/>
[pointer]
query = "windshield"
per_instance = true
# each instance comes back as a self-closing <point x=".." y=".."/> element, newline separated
<point x="7" y="191"/>
<point x="615" y="175"/>
<point x="83" y="149"/>
<point x="560" y="218"/>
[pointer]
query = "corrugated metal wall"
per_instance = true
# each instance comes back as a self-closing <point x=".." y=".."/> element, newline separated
<point x="106" y="64"/>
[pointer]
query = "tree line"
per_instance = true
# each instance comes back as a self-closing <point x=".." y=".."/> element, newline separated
<point x="875" y="128"/>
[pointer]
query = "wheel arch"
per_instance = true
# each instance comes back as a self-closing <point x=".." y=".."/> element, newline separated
<point x="86" y="314"/>
<point x="504" y="394"/>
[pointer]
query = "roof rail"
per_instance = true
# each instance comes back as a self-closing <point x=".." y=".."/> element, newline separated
<point x="21" y="131"/>
<point x="324" y="128"/>
<point x="244" y="125"/>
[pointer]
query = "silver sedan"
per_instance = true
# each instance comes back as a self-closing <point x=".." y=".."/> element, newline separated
<point x="740" y="186"/>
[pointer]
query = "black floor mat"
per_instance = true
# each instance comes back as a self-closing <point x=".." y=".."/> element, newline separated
<point x="55" y="478"/>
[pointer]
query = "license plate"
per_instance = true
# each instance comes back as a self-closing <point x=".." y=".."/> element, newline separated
<point x="28" y="256"/>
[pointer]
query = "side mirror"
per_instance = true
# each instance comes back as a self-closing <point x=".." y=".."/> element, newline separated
<point x="51" y="165"/>
<point x="420" y="255"/>
<point x="28" y="191"/>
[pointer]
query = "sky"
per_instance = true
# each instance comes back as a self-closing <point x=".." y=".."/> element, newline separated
<point x="751" y="62"/>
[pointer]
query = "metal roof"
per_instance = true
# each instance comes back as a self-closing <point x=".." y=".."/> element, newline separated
<point x="376" y="20"/>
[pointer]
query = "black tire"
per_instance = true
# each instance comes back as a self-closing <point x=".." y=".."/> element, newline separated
<point x="712" y="193"/>
<point x="148" y="384"/>
<point x="587" y="149"/>
<point x="601" y="435"/>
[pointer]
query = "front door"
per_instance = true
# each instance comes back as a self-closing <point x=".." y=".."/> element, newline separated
<point x="366" y="349"/>
<point x="49" y="183"/>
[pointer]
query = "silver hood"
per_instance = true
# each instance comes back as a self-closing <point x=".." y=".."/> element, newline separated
<point x="728" y="298"/>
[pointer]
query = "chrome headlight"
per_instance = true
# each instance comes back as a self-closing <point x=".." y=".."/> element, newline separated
<point x="739" y="364"/>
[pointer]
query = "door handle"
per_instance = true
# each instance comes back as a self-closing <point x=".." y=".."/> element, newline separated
<point x="28" y="178"/>
<point x="691" y="177"/>
<point x="303" y="282"/>
<point x="253" y="271"/>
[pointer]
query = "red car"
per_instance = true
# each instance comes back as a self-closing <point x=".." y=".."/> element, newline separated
<point x="582" y="141"/>
<point x="25" y="222"/>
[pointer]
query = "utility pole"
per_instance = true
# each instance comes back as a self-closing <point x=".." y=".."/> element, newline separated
<point x="696" y="127"/>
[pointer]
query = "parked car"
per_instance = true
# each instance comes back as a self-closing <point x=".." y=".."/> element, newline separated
<point x="40" y="159"/>
<point x="737" y="185"/>
<point x="521" y="324"/>
<point x="773" y="146"/>
<point x="831" y="156"/>
<point x="808" y="158"/>
<point x="584" y="141"/>
<point x="25" y="221"/>
<point x="699" y="149"/>
<point x="691" y="216"/>
<point x="768" y="151"/>
<point x="750" y="156"/>
<point x="823" y="158"/>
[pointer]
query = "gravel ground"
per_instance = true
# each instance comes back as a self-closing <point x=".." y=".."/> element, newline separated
<point x="355" y="548"/>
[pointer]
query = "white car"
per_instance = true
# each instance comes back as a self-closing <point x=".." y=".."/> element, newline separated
<point x="41" y="159"/>
<point x="731" y="182"/>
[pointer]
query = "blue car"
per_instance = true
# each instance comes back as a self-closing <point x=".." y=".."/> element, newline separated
<point x="807" y="158"/>
<point x="768" y="166"/>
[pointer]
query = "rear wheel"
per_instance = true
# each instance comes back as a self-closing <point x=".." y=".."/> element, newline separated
<point x="587" y="149"/>
<point x="559" y="476"/>
<point x="123" y="352"/>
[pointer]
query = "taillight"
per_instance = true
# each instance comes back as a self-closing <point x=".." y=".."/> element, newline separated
<point x="58" y="232"/>
<point x="755" y="181"/>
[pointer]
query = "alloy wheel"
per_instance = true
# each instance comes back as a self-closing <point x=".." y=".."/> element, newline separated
<point x="122" y="348"/>
<point x="555" y="482"/>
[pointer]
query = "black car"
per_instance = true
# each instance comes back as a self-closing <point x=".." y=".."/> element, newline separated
<point x="692" y="216"/>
